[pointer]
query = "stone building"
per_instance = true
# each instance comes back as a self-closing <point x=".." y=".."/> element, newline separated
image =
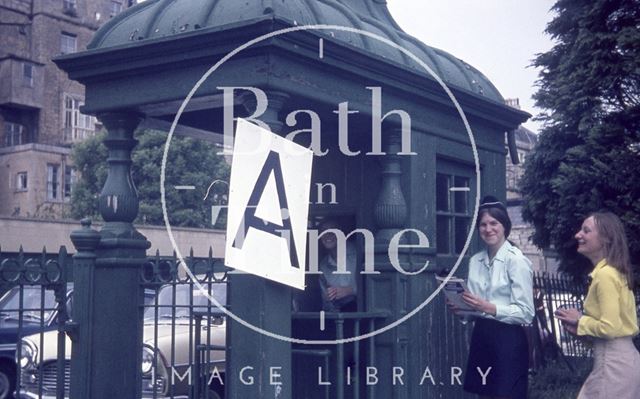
<point x="525" y="141"/>
<point x="40" y="114"/>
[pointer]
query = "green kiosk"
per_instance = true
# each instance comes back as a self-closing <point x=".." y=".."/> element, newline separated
<point x="405" y="137"/>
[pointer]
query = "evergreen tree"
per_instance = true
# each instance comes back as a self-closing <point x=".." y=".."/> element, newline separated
<point x="588" y="155"/>
<point x="190" y="162"/>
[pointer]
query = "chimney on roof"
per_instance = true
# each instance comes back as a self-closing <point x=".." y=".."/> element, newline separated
<point x="513" y="102"/>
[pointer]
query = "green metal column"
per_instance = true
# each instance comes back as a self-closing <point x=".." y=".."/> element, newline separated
<point x="259" y="366"/>
<point x="106" y="355"/>
<point x="388" y="291"/>
<point x="86" y="241"/>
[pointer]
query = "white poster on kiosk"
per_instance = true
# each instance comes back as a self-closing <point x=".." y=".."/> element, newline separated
<point x="268" y="205"/>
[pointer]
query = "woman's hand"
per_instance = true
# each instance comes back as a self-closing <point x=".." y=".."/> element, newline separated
<point x="569" y="318"/>
<point x="479" y="304"/>
<point x="334" y="293"/>
<point x="570" y="328"/>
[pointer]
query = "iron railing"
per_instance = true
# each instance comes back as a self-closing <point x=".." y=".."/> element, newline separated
<point x="36" y="296"/>
<point x="184" y="330"/>
<point x="548" y="339"/>
<point x="335" y="370"/>
<point x="184" y="339"/>
<point x="40" y="285"/>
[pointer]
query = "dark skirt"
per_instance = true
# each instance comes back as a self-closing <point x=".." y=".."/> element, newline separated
<point x="504" y="348"/>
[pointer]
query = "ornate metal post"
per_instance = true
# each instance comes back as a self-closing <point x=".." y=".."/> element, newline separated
<point x="391" y="208"/>
<point x="86" y="242"/>
<point x="264" y="304"/>
<point x="390" y="215"/>
<point x="108" y="297"/>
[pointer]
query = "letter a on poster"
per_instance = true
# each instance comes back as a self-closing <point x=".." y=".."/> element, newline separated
<point x="268" y="205"/>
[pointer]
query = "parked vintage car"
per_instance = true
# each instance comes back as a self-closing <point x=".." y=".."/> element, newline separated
<point x="15" y="323"/>
<point x="168" y="354"/>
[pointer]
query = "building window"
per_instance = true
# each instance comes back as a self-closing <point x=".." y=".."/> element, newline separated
<point x="27" y="74"/>
<point x="69" y="7"/>
<point x="53" y="182"/>
<point x="13" y="134"/>
<point x="521" y="157"/>
<point x="69" y="181"/>
<point x="68" y="43"/>
<point x="453" y="212"/>
<point x="77" y="126"/>
<point x="21" y="181"/>
<point x="512" y="178"/>
<point x="116" y="7"/>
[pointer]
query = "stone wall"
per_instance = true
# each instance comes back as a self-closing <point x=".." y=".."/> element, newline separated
<point x="33" y="234"/>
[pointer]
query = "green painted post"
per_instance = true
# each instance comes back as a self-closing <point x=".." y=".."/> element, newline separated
<point x="107" y="348"/>
<point x="259" y="366"/>
<point x="390" y="215"/>
<point x="86" y="242"/>
<point x="390" y="210"/>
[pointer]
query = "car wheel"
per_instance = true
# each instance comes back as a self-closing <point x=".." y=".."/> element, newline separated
<point x="213" y="394"/>
<point x="216" y="388"/>
<point x="7" y="383"/>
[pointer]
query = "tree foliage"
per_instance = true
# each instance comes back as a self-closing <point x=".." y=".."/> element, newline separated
<point x="588" y="154"/>
<point x="190" y="163"/>
<point x="90" y="160"/>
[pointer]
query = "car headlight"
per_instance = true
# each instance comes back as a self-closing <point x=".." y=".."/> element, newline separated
<point x="147" y="360"/>
<point x="154" y="374"/>
<point x="28" y="353"/>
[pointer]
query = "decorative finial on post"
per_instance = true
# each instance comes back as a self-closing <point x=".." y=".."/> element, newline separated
<point x="390" y="211"/>
<point x="85" y="239"/>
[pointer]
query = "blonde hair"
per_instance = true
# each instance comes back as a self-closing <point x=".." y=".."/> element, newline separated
<point x="614" y="241"/>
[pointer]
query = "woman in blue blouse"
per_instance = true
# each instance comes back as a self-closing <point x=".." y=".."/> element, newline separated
<point x="501" y="288"/>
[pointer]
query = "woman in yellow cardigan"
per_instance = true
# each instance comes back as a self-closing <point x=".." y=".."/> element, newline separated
<point x="609" y="311"/>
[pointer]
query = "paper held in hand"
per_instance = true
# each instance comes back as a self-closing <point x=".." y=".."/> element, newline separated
<point x="453" y="290"/>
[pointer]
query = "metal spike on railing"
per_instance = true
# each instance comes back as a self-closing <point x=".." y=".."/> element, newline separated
<point x="20" y="256"/>
<point x="64" y="264"/>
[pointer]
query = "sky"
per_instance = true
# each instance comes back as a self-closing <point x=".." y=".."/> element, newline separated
<point x="498" y="37"/>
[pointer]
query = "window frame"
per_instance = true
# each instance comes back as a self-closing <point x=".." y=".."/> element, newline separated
<point x="27" y="79"/>
<point x="53" y="182"/>
<point x="66" y="39"/>
<point x="70" y="7"/>
<point x="22" y="184"/>
<point x="10" y="134"/>
<point x="454" y="173"/>
<point x="69" y="180"/>
<point x="76" y="126"/>
<point x="116" y="8"/>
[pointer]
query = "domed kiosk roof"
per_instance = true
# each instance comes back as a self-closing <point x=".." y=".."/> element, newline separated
<point x="154" y="20"/>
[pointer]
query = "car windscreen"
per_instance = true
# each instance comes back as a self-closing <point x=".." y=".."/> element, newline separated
<point x="181" y="300"/>
<point x="32" y="300"/>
